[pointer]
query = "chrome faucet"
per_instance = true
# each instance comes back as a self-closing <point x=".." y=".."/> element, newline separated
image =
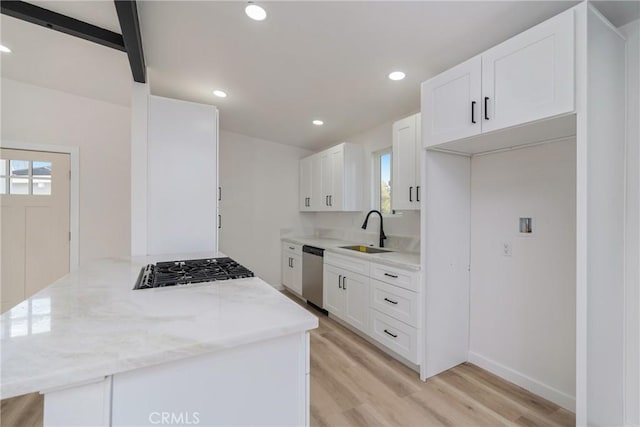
<point x="366" y="220"/>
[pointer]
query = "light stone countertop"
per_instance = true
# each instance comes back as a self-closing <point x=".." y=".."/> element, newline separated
<point x="406" y="260"/>
<point x="90" y="324"/>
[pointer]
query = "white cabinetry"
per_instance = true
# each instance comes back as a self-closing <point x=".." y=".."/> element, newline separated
<point x="530" y="76"/>
<point x="332" y="179"/>
<point x="406" y="163"/>
<point x="180" y="168"/>
<point x="526" y="78"/>
<point x="292" y="267"/>
<point x="562" y="78"/>
<point x="451" y="103"/>
<point x="376" y="299"/>
<point x="306" y="184"/>
<point x="346" y="296"/>
<point x="394" y="309"/>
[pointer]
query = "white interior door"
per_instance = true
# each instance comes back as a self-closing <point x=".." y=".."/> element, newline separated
<point x="34" y="194"/>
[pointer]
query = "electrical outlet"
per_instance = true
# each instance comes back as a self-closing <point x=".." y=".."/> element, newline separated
<point x="506" y="249"/>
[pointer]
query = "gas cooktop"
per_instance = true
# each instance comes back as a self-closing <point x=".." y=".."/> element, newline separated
<point x="174" y="273"/>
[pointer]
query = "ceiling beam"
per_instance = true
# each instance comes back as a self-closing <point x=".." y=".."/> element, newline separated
<point x="65" y="24"/>
<point x="128" y="17"/>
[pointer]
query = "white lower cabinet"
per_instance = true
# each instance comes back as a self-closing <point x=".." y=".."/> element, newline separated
<point x="346" y="296"/>
<point x="395" y="302"/>
<point x="398" y="336"/>
<point x="292" y="267"/>
<point x="383" y="303"/>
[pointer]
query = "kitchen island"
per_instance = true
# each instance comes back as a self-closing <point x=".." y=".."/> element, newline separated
<point x="219" y="353"/>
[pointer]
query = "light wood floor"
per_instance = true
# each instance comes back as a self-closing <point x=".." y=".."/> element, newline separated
<point x="355" y="384"/>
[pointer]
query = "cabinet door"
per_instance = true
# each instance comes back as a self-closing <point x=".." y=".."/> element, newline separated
<point x="334" y="298"/>
<point x="286" y="270"/>
<point x="404" y="164"/>
<point x="336" y="195"/>
<point x="356" y="305"/>
<point x="326" y="184"/>
<point x="418" y="159"/>
<point x="296" y="273"/>
<point x="451" y="104"/>
<point x="317" y="201"/>
<point x="530" y="76"/>
<point x="306" y="173"/>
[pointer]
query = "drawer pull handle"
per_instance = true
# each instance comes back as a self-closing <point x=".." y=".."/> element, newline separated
<point x="389" y="333"/>
<point x="391" y="275"/>
<point x="340" y="281"/>
<point x="391" y="301"/>
<point x="344" y="282"/>
<point x="292" y="248"/>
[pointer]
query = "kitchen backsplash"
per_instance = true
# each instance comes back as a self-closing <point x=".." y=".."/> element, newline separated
<point x="400" y="243"/>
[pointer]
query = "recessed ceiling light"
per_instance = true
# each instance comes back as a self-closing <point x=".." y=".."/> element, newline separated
<point x="255" y="12"/>
<point x="220" y="93"/>
<point x="318" y="122"/>
<point x="4" y="49"/>
<point x="396" y="75"/>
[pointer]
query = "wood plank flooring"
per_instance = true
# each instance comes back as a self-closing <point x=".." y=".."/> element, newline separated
<point x="355" y="384"/>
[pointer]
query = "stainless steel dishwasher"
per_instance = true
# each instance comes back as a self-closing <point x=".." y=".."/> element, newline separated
<point x="312" y="276"/>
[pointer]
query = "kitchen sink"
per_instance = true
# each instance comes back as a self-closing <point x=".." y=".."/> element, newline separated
<point x="365" y="249"/>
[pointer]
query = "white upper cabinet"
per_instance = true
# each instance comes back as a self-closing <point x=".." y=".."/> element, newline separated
<point x="524" y="79"/>
<point x="530" y="76"/>
<point x="451" y="103"/>
<point x="306" y="186"/>
<point x="406" y="163"/>
<point x="335" y="178"/>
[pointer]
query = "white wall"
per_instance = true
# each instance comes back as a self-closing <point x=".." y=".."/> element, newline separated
<point x="259" y="181"/>
<point x="632" y="229"/>
<point x="522" y="323"/>
<point x="406" y="224"/>
<point x="102" y="132"/>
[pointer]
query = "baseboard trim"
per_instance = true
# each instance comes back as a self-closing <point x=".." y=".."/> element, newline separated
<point x="554" y="395"/>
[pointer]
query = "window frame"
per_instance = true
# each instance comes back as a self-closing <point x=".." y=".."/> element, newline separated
<point x="376" y="179"/>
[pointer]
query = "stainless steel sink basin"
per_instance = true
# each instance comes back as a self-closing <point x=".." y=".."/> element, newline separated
<point x="365" y="249"/>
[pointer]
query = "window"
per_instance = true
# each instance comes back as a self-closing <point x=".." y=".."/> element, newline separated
<point x="25" y="177"/>
<point x="382" y="181"/>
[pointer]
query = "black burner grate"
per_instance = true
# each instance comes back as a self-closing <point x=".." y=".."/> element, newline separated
<point x="174" y="273"/>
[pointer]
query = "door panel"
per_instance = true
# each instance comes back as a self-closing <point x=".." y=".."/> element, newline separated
<point x="306" y="173"/>
<point x="447" y="102"/>
<point x="356" y="289"/>
<point x="35" y="225"/>
<point x="336" y="199"/>
<point x="530" y="76"/>
<point x="334" y="298"/>
<point x="404" y="164"/>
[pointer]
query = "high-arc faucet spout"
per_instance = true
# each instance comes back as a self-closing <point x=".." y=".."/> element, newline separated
<point x="366" y="220"/>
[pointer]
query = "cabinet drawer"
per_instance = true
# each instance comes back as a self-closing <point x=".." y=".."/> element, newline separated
<point x="293" y="248"/>
<point x="396" y="302"/>
<point x="395" y="276"/>
<point x="399" y="337"/>
<point x="354" y="265"/>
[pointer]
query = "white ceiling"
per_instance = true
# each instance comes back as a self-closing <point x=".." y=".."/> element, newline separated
<point x="326" y="60"/>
